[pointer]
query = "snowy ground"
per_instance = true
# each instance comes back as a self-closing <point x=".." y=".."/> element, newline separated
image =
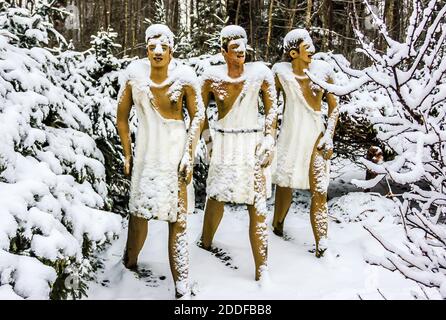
<point x="295" y="273"/>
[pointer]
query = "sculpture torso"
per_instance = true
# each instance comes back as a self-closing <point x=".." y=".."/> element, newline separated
<point x="312" y="95"/>
<point x="163" y="103"/>
<point x="225" y="94"/>
<point x="236" y="133"/>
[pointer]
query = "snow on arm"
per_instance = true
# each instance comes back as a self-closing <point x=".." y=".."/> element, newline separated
<point x="269" y="95"/>
<point x="323" y="70"/>
<point x="188" y="79"/>
<point x="137" y="70"/>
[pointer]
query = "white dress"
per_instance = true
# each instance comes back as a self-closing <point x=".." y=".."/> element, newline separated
<point x="159" y="148"/>
<point x="300" y="129"/>
<point x="235" y="138"/>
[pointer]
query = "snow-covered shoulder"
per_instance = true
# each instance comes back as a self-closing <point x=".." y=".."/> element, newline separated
<point x="139" y="70"/>
<point x="318" y="68"/>
<point x="260" y="71"/>
<point x="284" y="70"/>
<point x="183" y="73"/>
<point x="254" y="71"/>
<point x="322" y="70"/>
<point x="179" y="76"/>
<point x="215" y="73"/>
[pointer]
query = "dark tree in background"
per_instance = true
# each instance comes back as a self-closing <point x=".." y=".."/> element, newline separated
<point x="199" y="21"/>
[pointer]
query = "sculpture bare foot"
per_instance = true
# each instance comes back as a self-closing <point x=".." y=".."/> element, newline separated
<point x="320" y="253"/>
<point x="321" y="247"/>
<point x="185" y="291"/>
<point x="220" y="254"/>
<point x="278" y="229"/>
<point x="126" y="262"/>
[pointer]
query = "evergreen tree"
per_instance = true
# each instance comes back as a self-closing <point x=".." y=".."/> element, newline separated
<point x="160" y="12"/>
<point x="103" y="67"/>
<point x="207" y="22"/>
<point x="52" y="173"/>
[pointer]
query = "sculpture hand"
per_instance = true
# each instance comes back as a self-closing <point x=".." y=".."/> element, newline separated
<point x="267" y="158"/>
<point x="209" y="144"/>
<point x="265" y="151"/>
<point x="185" y="168"/>
<point x="326" y="145"/>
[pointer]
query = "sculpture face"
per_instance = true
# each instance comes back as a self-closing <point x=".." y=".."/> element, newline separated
<point x="158" y="52"/>
<point x="236" y="53"/>
<point x="303" y="54"/>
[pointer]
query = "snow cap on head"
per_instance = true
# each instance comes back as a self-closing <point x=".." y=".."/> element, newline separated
<point x="233" y="32"/>
<point x="294" y="36"/>
<point x="162" y="33"/>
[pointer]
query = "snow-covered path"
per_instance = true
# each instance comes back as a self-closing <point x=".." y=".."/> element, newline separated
<point x="294" y="272"/>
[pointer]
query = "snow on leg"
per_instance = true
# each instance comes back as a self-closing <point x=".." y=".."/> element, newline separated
<point x="178" y="246"/>
<point x="319" y="180"/>
<point x="137" y="234"/>
<point x="258" y="233"/>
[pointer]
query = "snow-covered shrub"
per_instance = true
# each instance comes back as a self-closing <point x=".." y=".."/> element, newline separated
<point x="355" y="132"/>
<point x="360" y="206"/>
<point x="100" y="104"/>
<point x="29" y="29"/>
<point x="52" y="177"/>
<point x="412" y="74"/>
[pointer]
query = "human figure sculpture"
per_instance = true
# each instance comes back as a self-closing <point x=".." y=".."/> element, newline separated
<point x="241" y="146"/>
<point x="164" y="148"/>
<point x="304" y="145"/>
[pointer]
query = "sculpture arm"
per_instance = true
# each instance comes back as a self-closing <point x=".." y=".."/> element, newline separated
<point x="269" y="97"/>
<point x="125" y="103"/>
<point x="326" y="142"/>
<point x="195" y="108"/>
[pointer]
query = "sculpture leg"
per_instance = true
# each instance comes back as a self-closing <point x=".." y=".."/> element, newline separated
<point x="137" y="234"/>
<point x="282" y="204"/>
<point x="178" y="246"/>
<point x="258" y="232"/>
<point x="212" y="218"/>
<point x="258" y="235"/>
<point x="319" y="180"/>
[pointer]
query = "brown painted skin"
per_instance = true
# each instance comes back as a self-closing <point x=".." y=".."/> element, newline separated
<point x="300" y="61"/>
<point x="138" y="227"/>
<point x="214" y="209"/>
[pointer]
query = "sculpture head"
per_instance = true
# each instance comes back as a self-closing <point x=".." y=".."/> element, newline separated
<point x="233" y="40"/>
<point x="298" y="45"/>
<point x="160" y="42"/>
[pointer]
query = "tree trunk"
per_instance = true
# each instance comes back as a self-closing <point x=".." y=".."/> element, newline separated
<point x="270" y="27"/>
<point x="308" y="14"/>
<point x="238" y="11"/>
<point x="293" y="5"/>
<point x="126" y="25"/>
<point x="326" y="17"/>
